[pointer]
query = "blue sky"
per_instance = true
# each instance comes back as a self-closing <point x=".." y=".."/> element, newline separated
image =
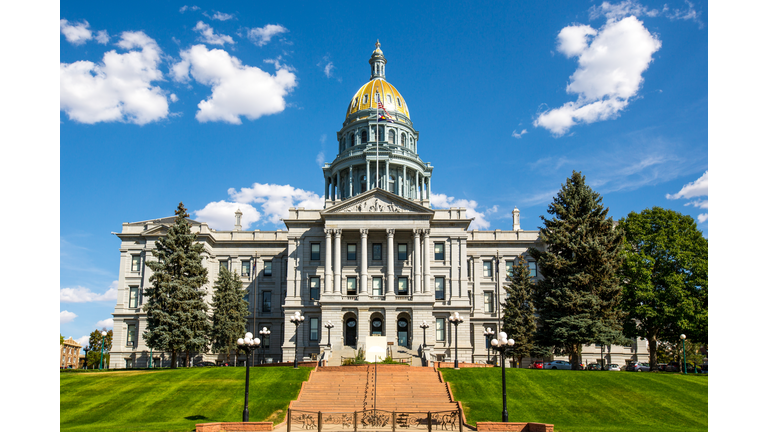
<point x="210" y="103"/>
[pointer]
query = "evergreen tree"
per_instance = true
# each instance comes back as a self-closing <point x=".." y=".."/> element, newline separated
<point x="230" y="311"/>
<point x="665" y="278"/>
<point x="578" y="297"/>
<point x="177" y="318"/>
<point x="519" y="320"/>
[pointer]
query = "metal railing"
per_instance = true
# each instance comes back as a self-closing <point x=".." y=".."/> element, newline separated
<point x="370" y="420"/>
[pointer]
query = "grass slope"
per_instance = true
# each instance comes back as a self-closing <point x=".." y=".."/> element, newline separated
<point x="585" y="401"/>
<point x="174" y="400"/>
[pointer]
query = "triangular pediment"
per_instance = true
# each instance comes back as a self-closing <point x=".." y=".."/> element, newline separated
<point x="377" y="201"/>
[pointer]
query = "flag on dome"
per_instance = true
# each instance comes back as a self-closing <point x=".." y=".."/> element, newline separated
<point x="382" y="116"/>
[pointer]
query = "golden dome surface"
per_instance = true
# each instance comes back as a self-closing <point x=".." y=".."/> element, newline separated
<point x="365" y="98"/>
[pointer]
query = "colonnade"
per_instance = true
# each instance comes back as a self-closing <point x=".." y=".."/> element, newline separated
<point x="351" y="185"/>
<point x="333" y="270"/>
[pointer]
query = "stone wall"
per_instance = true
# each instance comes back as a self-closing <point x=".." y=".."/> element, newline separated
<point x="514" y="427"/>
<point x="233" y="426"/>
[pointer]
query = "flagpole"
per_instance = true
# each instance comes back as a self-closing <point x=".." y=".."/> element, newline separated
<point x="377" y="132"/>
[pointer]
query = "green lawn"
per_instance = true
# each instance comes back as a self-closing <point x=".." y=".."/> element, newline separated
<point x="174" y="400"/>
<point x="585" y="401"/>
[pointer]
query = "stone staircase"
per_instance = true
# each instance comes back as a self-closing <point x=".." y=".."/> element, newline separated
<point x="384" y="387"/>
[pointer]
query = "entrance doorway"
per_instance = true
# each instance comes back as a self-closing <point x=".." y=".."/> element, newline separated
<point x="402" y="332"/>
<point x="350" y="328"/>
<point x="376" y="327"/>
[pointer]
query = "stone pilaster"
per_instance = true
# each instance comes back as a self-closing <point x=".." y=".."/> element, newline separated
<point x="328" y="260"/>
<point x="417" y="261"/>
<point x="337" y="261"/>
<point x="427" y="263"/>
<point x="390" y="261"/>
<point x="363" y="261"/>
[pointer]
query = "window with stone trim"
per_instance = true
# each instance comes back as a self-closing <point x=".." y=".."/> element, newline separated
<point x="439" y="288"/>
<point x="315" y="252"/>
<point x="487" y="268"/>
<point x="313" y="329"/>
<point x="352" y="285"/>
<point x="488" y="301"/>
<point x="439" y="251"/>
<point x="245" y="268"/>
<point x="440" y="329"/>
<point x="532" y="268"/>
<point x="131" y="340"/>
<point x="314" y="288"/>
<point x="351" y="252"/>
<point x="402" y="286"/>
<point x="135" y="263"/>
<point x="376" y="288"/>
<point x="266" y="301"/>
<point x="267" y="268"/>
<point x="377" y="251"/>
<point x="402" y="251"/>
<point x="133" y="297"/>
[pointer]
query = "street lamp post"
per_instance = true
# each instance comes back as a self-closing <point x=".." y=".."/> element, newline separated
<point x="296" y="319"/>
<point x="264" y="332"/>
<point x="456" y="319"/>
<point x="86" y="349"/>
<point x="488" y="333"/>
<point x="329" y="326"/>
<point x="501" y="345"/>
<point x="103" y="336"/>
<point x="247" y="344"/>
<point x="685" y="366"/>
<point x="424" y="326"/>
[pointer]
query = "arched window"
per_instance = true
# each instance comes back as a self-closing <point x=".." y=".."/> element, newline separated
<point x="389" y="98"/>
<point x="351" y="139"/>
<point x="364" y="137"/>
<point x="391" y="184"/>
<point x="381" y="133"/>
<point x="402" y="139"/>
<point x="391" y="137"/>
<point x="411" y="146"/>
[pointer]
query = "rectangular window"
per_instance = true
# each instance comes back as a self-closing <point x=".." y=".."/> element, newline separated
<point x="314" y="288"/>
<point x="313" y="329"/>
<point x="402" y="251"/>
<point x="487" y="267"/>
<point x="402" y="286"/>
<point x="315" y="255"/>
<point x="131" y="335"/>
<point x="377" y="291"/>
<point x="488" y="302"/>
<point x="266" y="303"/>
<point x="440" y="329"/>
<point x="532" y="268"/>
<point x="265" y="340"/>
<point x="510" y="267"/>
<point x="439" y="288"/>
<point x="223" y="265"/>
<point x="134" y="297"/>
<point x="135" y="262"/>
<point x="267" y="268"/>
<point x="351" y="252"/>
<point x="245" y="269"/>
<point x="352" y="285"/>
<point x="439" y="251"/>
<point x="377" y="251"/>
<point x="128" y="363"/>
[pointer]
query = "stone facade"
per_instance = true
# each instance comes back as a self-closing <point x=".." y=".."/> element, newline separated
<point x="376" y="260"/>
<point x="69" y="354"/>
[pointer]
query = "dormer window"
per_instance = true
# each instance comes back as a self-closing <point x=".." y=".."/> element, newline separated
<point x="365" y="99"/>
<point x="398" y="102"/>
<point x="389" y="98"/>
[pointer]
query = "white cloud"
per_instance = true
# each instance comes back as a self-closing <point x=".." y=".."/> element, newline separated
<point x="609" y="73"/>
<point x="185" y="8"/>
<point x="221" y="16"/>
<point x="519" y="135"/>
<point x="700" y="187"/>
<point x="697" y="188"/>
<point x="262" y="35"/>
<point x="621" y="10"/>
<point x="102" y="37"/>
<point x="77" y="34"/>
<point x="236" y="89"/>
<point x="119" y="88"/>
<point x="320" y="158"/>
<point x="83" y="295"/>
<point x="208" y="36"/>
<point x="66" y="317"/>
<point x="174" y="98"/>
<point x="108" y="323"/>
<point x="443" y="201"/>
<point x="275" y="200"/>
<point x="221" y="215"/>
<point x="83" y="341"/>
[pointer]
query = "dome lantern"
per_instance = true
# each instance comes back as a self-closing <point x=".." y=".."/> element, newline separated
<point x="377" y="62"/>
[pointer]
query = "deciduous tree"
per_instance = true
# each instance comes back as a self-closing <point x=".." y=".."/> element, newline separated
<point x="94" y="341"/>
<point x="578" y="297"/>
<point x="230" y="311"/>
<point x="177" y="318"/>
<point x="664" y="278"/>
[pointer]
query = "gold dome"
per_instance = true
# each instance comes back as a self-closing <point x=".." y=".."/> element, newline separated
<point x="365" y="98"/>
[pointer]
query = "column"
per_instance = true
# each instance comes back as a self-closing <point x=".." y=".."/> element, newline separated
<point x="328" y="258"/>
<point x="367" y="175"/>
<point x="338" y="185"/>
<point x="386" y="176"/>
<point x="427" y="263"/>
<point x="429" y="187"/>
<point x="363" y="261"/>
<point x="390" y="262"/>
<point x="418" y="185"/>
<point x="417" y="260"/>
<point x="404" y="194"/>
<point x="326" y="188"/>
<point x="337" y="261"/>
<point x="351" y="180"/>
